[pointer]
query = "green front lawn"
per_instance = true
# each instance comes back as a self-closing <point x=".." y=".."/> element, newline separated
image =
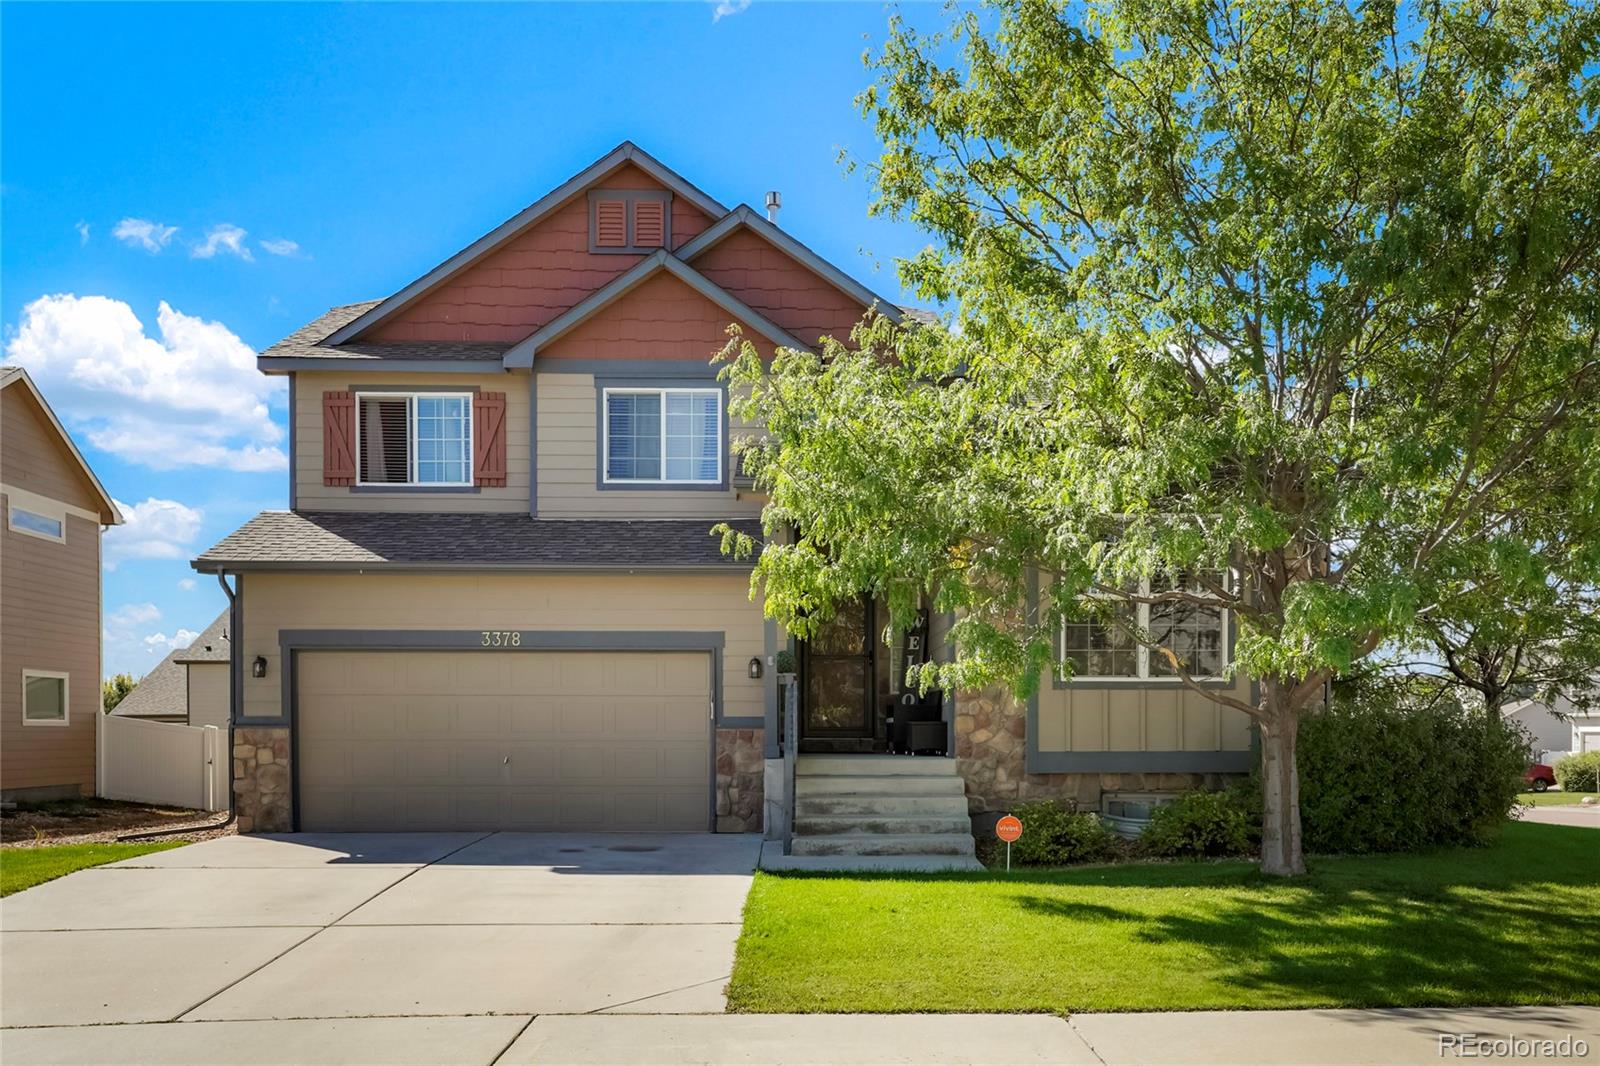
<point x="1511" y="923"/>
<point x="22" y="868"/>
<point x="1552" y="799"/>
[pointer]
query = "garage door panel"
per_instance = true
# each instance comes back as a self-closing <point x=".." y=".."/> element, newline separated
<point x="504" y="740"/>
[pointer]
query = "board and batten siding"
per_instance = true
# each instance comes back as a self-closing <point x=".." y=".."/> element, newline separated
<point x="568" y="451"/>
<point x="312" y="495"/>
<point x="470" y="602"/>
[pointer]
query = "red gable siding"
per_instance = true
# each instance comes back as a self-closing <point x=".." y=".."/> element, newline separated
<point x="780" y="288"/>
<point x="660" y="319"/>
<point x="531" y="279"/>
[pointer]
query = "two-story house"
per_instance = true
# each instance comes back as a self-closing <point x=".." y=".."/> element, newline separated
<point x="494" y="601"/>
<point x="52" y="511"/>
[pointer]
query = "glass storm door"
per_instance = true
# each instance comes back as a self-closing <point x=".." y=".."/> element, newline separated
<point x="838" y="676"/>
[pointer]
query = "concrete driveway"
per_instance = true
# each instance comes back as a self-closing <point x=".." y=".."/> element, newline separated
<point x="406" y="947"/>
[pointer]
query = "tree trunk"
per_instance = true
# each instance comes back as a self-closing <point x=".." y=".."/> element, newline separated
<point x="1281" y="853"/>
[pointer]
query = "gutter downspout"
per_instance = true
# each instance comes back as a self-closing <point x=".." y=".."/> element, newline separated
<point x="235" y="680"/>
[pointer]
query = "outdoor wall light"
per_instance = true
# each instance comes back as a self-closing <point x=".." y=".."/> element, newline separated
<point x="755" y="668"/>
<point x="258" y="668"/>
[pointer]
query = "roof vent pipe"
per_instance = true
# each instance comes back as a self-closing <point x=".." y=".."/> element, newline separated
<point x="774" y="201"/>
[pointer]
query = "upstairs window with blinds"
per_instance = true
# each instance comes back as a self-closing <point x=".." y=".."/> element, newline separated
<point x="418" y="439"/>
<point x="663" y="436"/>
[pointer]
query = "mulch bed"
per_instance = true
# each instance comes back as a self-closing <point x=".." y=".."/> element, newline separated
<point x="89" y="820"/>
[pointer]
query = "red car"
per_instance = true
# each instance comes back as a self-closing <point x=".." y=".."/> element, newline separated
<point x="1539" y="777"/>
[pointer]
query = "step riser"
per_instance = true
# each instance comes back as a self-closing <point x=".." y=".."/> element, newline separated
<point x="883" y="826"/>
<point x="839" y="785"/>
<point x="921" y="844"/>
<point x="884" y="806"/>
<point x="874" y="766"/>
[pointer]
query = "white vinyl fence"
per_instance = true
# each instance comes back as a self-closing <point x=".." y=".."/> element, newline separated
<point x="163" y="762"/>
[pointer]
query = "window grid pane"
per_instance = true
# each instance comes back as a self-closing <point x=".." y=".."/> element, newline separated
<point x="664" y="436"/>
<point x="443" y="437"/>
<point x="1103" y="646"/>
<point x="1193" y="631"/>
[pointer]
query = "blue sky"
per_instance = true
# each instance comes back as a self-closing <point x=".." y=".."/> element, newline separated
<point x="249" y="166"/>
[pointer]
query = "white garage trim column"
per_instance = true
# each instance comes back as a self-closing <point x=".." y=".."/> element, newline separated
<point x="489" y="643"/>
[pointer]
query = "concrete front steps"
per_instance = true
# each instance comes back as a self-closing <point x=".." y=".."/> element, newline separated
<point x="880" y="805"/>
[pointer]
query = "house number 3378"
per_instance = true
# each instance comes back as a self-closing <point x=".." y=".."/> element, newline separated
<point x="501" y="638"/>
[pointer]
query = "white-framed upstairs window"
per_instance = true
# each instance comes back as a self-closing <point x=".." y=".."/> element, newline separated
<point x="44" y="697"/>
<point x="37" y="523"/>
<point x="662" y="436"/>
<point x="417" y="439"/>
<point x="1105" y="647"/>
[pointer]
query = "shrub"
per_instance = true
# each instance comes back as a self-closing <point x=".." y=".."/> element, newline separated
<point x="1199" y="825"/>
<point x="1579" y="773"/>
<point x="1055" y="834"/>
<point x="1381" y="771"/>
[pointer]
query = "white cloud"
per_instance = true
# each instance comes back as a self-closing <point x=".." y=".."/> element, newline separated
<point x="193" y="397"/>
<point x="186" y="584"/>
<point x="160" y="642"/>
<point x="142" y="233"/>
<point x="729" y="7"/>
<point x="132" y="615"/>
<point x="279" y="246"/>
<point x="83" y="232"/>
<point x="154" y="529"/>
<point x="225" y="237"/>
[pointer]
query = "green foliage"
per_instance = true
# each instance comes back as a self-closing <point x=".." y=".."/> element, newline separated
<point x="1379" y="773"/>
<point x="114" y="688"/>
<point x="1200" y="825"/>
<point x="1307" y="291"/>
<point x="1055" y="834"/>
<point x="25" y="867"/>
<point x="786" y="661"/>
<point x="1579" y="773"/>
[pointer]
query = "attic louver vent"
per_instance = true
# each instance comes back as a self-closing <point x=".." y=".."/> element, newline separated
<point x="611" y="223"/>
<point x="648" y="217"/>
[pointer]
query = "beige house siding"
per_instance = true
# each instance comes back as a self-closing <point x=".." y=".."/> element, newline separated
<point x="208" y="694"/>
<point x="568" y="449"/>
<point x="49" y="621"/>
<point x="32" y="456"/>
<point x="1151" y="716"/>
<point x="312" y="495"/>
<point x="472" y="602"/>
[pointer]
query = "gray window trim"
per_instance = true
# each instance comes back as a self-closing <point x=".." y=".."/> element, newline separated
<point x="629" y="197"/>
<point x="705" y="384"/>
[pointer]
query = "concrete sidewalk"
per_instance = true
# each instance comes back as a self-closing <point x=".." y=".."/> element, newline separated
<point x="1268" y="1038"/>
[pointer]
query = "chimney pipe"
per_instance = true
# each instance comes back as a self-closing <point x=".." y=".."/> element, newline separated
<point x="774" y="201"/>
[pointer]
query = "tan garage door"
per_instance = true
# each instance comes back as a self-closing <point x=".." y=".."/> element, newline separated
<point x="504" y="740"/>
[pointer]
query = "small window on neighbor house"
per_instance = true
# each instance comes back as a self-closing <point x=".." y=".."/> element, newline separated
<point x="44" y="698"/>
<point x="421" y="439"/>
<point x="668" y="436"/>
<point x="40" y="525"/>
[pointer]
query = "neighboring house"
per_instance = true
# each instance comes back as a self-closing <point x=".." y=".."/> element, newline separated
<point x="1557" y="729"/>
<point x="189" y="686"/>
<point x="495" y="602"/>
<point x="54" y="510"/>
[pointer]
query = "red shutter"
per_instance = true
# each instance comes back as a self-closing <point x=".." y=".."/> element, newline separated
<point x="489" y="439"/>
<point x="649" y="218"/>
<point x="611" y="223"/>
<point x="338" y="438"/>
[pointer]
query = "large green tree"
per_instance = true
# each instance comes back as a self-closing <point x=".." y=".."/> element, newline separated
<point x="1283" y="298"/>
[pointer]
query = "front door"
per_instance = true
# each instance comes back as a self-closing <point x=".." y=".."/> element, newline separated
<point x="839" y="712"/>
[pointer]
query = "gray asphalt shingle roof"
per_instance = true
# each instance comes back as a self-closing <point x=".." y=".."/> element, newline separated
<point x="287" y="540"/>
<point x="165" y="689"/>
<point x="306" y="342"/>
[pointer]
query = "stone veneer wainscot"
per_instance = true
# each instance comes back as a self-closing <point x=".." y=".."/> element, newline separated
<point x="261" y="779"/>
<point x="740" y="768"/>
